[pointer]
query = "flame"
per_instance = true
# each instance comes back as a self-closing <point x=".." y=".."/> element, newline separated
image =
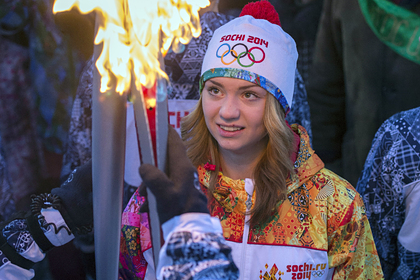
<point x="135" y="33"/>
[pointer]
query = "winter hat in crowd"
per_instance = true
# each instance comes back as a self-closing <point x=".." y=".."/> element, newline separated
<point x="254" y="47"/>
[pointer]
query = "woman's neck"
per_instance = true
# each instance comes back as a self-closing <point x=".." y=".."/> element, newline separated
<point x="239" y="166"/>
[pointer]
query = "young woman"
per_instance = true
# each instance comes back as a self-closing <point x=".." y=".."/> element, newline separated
<point x="284" y="215"/>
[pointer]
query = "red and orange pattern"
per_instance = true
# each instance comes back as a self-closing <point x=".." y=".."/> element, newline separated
<point x="322" y="211"/>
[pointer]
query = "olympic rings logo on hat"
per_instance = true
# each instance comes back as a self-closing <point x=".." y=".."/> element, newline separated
<point x="238" y="57"/>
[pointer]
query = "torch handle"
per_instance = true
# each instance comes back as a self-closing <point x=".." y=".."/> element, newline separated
<point x="147" y="156"/>
<point x="161" y="147"/>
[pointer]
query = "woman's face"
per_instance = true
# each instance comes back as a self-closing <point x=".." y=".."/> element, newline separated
<point x="234" y="111"/>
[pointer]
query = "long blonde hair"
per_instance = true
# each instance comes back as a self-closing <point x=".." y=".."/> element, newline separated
<point x="272" y="170"/>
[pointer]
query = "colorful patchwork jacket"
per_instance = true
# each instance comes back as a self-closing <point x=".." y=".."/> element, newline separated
<point x="320" y="232"/>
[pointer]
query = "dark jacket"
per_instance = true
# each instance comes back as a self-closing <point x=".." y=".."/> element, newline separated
<point x="356" y="83"/>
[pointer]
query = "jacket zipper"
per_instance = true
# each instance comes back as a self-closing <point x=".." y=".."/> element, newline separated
<point x="249" y="188"/>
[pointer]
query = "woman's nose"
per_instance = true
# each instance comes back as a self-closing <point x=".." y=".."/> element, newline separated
<point x="229" y="108"/>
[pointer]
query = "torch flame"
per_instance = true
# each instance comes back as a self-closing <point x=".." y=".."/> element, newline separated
<point x="135" y="32"/>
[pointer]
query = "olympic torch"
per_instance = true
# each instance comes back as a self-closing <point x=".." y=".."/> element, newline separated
<point x="132" y="36"/>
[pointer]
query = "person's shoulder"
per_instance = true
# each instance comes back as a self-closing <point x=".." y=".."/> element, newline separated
<point x="398" y="131"/>
<point x="343" y="203"/>
<point x="402" y="118"/>
<point x="333" y="187"/>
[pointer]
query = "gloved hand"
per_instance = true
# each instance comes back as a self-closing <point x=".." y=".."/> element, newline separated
<point x="73" y="199"/>
<point x="178" y="191"/>
<point x="76" y="198"/>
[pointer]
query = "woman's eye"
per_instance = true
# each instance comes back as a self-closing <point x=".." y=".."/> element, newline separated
<point x="249" y="95"/>
<point x="214" y="90"/>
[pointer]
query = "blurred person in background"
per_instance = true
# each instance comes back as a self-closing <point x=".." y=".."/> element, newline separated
<point x="361" y="75"/>
<point x="40" y="65"/>
<point x="390" y="188"/>
<point x="300" y="18"/>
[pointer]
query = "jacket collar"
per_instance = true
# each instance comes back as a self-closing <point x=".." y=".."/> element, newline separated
<point x="307" y="163"/>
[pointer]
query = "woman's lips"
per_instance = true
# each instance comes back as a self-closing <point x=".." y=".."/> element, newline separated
<point x="230" y="128"/>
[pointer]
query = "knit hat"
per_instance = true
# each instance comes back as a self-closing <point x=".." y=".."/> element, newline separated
<point x="254" y="47"/>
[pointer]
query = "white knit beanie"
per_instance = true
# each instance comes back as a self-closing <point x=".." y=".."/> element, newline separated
<point x="255" y="50"/>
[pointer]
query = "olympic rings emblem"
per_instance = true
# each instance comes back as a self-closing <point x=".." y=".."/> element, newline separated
<point x="237" y="57"/>
<point x="318" y="273"/>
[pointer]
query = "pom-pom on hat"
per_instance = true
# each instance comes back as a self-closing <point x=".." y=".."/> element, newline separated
<point x="261" y="10"/>
<point x="254" y="47"/>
